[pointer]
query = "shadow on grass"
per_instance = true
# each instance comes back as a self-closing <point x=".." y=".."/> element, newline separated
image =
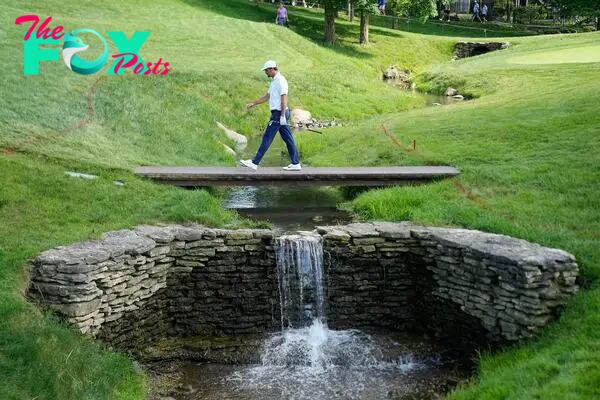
<point x="305" y="22"/>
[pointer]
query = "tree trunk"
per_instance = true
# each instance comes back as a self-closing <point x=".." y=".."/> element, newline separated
<point x="394" y="23"/>
<point x="598" y="24"/>
<point x="329" y="24"/>
<point x="351" y="8"/>
<point x="364" y="28"/>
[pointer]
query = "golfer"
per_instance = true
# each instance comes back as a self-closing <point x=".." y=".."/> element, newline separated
<point x="277" y="96"/>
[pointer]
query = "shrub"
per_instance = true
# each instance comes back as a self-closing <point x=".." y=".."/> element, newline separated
<point x="527" y="15"/>
<point x="551" y="31"/>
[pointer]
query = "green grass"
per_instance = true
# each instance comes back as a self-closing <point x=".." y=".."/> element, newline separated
<point x="527" y="152"/>
<point x="585" y="54"/>
<point x="526" y="147"/>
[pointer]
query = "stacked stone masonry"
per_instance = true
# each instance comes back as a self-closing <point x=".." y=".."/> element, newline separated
<point x="134" y="286"/>
<point x="470" y="49"/>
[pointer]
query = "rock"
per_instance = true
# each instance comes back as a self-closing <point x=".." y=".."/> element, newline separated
<point x="450" y="92"/>
<point x="436" y="104"/>
<point x="458" y="97"/>
<point x="300" y="116"/>
<point x="240" y="140"/>
<point x="77" y="309"/>
<point x="228" y="149"/>
<point x="119" y="183"/>
<point x="401" y="78"/>
<point x="160" y="234"/>
<point x="391" y="73"/>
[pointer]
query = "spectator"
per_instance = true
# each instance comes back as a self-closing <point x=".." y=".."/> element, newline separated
<point x="445" y="12"/>
<point x="484" y="11"/>
<point x="381" y="6"/>
<point x="282" y="15"/>
<point x="476" y="11"/>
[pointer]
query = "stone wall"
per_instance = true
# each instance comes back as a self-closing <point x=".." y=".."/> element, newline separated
<point x="470" y="49"/>
<point x="134" y="286"/>
<point x="452" y="282"/>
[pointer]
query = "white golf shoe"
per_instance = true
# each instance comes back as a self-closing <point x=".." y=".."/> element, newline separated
<point x="293" y="167"/>
<point x="249" y="164"/>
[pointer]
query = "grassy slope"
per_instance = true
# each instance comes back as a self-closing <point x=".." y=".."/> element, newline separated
<point x="170" y="120"/>
<point x="528" y="153"/>
<point x="60" y="121"/>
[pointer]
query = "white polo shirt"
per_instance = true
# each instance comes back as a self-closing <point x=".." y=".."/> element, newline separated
<point x="279" y="87"/>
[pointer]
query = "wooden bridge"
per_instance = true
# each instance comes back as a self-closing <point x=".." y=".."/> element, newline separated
<point x="309" y="176"/>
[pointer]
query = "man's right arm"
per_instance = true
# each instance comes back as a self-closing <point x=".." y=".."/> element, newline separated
<point x="259" y="101"/>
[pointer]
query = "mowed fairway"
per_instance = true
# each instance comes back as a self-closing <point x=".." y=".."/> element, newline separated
<point x="585" y="54"/>
<point x="527" y="147"/>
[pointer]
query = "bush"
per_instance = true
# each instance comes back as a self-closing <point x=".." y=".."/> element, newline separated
<point x="588" y="29"/>
<point x="551" y="31"/>
<point x="527" y="15"/>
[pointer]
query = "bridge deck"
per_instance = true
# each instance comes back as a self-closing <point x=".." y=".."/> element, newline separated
<point x="309" y="176"/>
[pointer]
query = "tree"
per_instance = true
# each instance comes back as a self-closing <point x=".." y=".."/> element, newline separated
<point x="581" y="8"/>
<point x="331" y="8"/>
<point x="365" y="8"/>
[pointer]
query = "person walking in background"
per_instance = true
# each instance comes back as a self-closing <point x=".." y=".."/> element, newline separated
<point x="484" y="11"/>
<point x="282" y="15"/>
<point x="476" y="11"/>
<point x="445" y="11"/>
<point x="277" y="96"/>
<point x="381" y="6"/>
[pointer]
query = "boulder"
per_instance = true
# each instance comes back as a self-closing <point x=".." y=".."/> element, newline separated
<point x="458" y="97"/>
<point x="300" y="116"/>
<point x="391" y="73"/>
<point x="450" y="92"/>
<point x="240" y="140"/>
<point x="228" y="149"/>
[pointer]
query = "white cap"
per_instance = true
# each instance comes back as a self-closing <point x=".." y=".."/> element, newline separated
<point x="270" y="64"/>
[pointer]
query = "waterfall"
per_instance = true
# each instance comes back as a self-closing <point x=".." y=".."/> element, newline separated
<point x="306" y="360"/>
<point x="300" y="278"/>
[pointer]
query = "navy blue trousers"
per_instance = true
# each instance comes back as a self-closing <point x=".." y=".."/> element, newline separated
<point x="286" y="134"/>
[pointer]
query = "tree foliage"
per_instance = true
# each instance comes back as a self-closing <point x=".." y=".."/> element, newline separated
<point x="421" y="9"/>
<point x="571" y="8"/>
<point x="366" y="6"/>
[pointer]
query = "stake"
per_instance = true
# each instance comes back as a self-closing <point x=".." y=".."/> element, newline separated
<point x="312" y="130"/>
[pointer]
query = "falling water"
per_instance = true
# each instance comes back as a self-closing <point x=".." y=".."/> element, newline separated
<point x="306" y="360"/>
<point x="300" y="278"/>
